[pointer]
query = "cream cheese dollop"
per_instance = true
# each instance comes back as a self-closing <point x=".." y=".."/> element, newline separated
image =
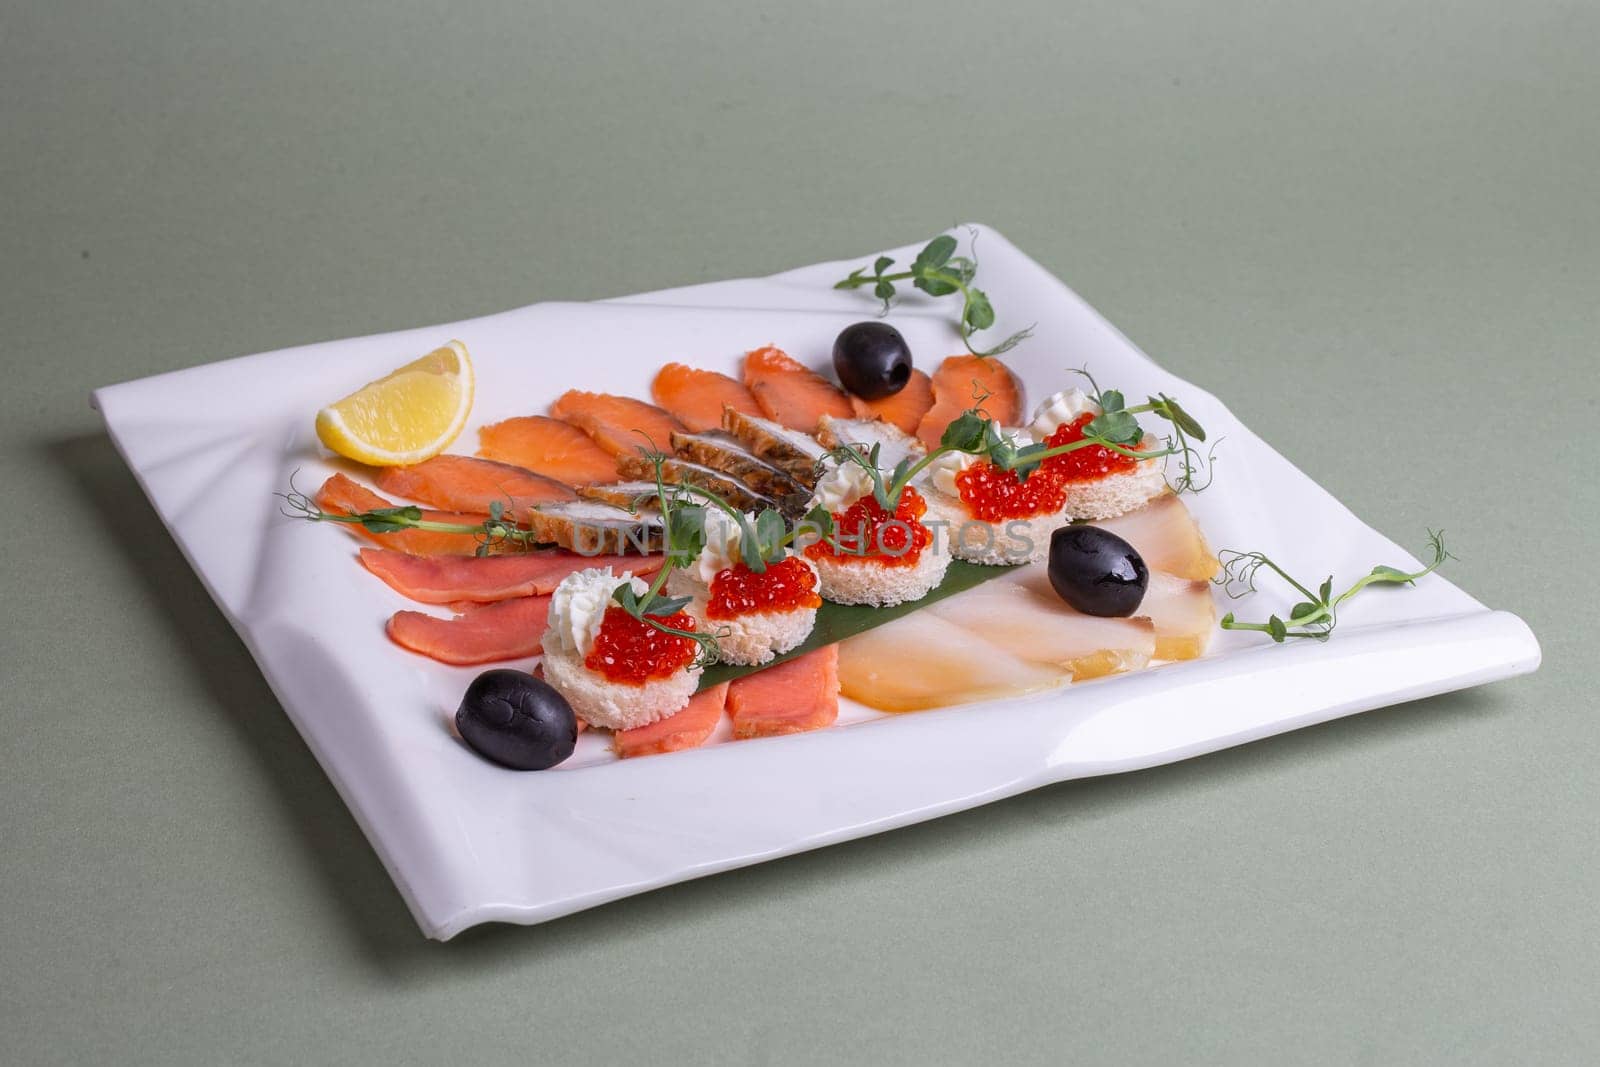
<point x="941" y="473"/>
<point x="579" y="604"/>
<point x="843" y="485"/>
<point x="722" y="546"/>
<point x="943" y="470"/>
<point x="1060" y="408"/>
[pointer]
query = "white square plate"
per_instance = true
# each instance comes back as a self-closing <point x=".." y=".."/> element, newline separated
<point x="467" y="842"/>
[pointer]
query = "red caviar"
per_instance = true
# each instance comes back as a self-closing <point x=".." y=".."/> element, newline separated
<point x="633" y="652"/>
<point x="788" y="585"/>
<point x="994" y="494"/>
<point x="867" y="532"/>
<point x="1084" y="464"/>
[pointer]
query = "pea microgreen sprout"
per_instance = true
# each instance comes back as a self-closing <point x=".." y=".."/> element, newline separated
<point x="768" y="538"/>
<point x="969" y="432"/>
<point x="1116" y="425"/>
<point x="492" y="532"/>
<point x="938" y="271"/>
<point x="1116" y="429"/>
<point x="685" y="528"/>
<point x="1318" y="614"/>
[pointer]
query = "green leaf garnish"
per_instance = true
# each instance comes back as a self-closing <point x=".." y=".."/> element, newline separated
<point x="965" y="432"/>
<point x="686" y="533"/>
<point x="935" y="254"/>
<point x="666" y="607"/>
<point x="492" y="533"/>
<point x="1119" y="427"/>
<point x="938" y="271"/>
<point x="979" y="313"/>
<point x="1318" y="614"/>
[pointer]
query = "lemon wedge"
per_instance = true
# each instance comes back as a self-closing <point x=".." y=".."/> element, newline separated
<point x="406" y="417"/>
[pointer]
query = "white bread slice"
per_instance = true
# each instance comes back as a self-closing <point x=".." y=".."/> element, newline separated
<point x="750" y="639"/>
<point x="616" y="705"/>
<point x="1117" y="494"/>
<point x="859" y="580"/>
<point x="992" y="544"/>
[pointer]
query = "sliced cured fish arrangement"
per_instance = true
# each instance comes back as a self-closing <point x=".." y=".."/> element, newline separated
<point x="635" y="546"/>
<point x="641" y="548"/>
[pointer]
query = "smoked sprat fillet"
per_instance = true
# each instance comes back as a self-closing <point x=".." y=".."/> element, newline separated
<point x="482" y="633"/>
<point x="696" y="397"/>
<point x="791" y="394"/>
<point x="619" y="424"/>
<point x="453" y="579"/>
<point x="547" y="446"/>
<point x="724" y="452"/>
<point x="957" y="386"/>
<point x="466" y="484"/>
<point x="631" y="496"/>
<point x="681" y="472"/>
<point x="795" y="453"/>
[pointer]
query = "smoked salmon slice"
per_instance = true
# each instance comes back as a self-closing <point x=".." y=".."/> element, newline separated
<point x="697" y="396"/>
<point x="549" y="447"/>
<point x="789" y="393"/>
<point x="511" y="629"/>
<point x="619" y="424"/>
<point x="340" y="495"/>
<point x="957" y="384"/>
<point x="905" y="408"/>
<point x="462" y="483"/>
<point x="688" y="728"/>
<point x="453" y="579"/>
<point x="792" y="697"/>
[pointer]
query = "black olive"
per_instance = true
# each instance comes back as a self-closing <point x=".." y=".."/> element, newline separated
<point x="872" y="360"/>
<point x="517" y="720"/>
<point x="1096" y="571"/>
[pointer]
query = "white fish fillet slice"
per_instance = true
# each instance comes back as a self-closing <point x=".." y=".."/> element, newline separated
<point x="925" y="661"/>
<point x="1167" y="536"/>
<point x="1034" y="624"/>
<point x="1184" y="613"/>
<point x="1180" y="612"/>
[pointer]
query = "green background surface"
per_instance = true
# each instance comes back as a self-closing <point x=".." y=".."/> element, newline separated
<point x="1371" y="228"/>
